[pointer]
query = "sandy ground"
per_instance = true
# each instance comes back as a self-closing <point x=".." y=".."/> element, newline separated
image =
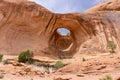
<point x="92" y="69"/>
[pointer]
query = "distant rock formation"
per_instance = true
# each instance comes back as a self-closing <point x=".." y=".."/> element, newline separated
<point x="27" y="25"/>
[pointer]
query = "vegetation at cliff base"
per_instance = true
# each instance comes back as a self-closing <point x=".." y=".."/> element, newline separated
<point x="83" y="59"/>
<point x="1" y="57"/>
<point x="58" y="65"/>
<point x="112" y="46"/>
<point x="107" y="77"/>
<point x="1" y="76"/>
<point x="26" y="57"/>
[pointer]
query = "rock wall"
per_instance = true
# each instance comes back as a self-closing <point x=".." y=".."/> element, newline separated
<point x="27" y="25"/>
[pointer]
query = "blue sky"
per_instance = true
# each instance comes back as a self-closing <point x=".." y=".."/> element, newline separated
<point x="66" y="6"/>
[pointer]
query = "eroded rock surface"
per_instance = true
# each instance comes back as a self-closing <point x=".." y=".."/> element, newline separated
<point x="27" y="25"/>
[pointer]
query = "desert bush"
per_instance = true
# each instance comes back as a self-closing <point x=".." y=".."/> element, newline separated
<point x="1" y="57"/>
<point x="26" y="57"/>
<point x="1" y="76"/>
<point x="58" y="65"/>
<point x="83" y="59"/>
<point x="107" y="77"/>
<point x="5" y="61"/>
<point x="112" y="46"/>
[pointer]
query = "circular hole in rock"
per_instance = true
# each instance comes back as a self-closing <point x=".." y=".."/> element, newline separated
<point x="63" y="31"/>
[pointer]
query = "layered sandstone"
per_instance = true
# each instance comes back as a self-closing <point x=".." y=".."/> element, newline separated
<point x="27" y="25"/>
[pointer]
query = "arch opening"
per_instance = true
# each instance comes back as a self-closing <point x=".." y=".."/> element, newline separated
<point x="64" y="31"/>
<point x="64" y="42"/>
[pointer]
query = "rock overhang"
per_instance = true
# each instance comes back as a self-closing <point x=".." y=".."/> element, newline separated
<point x="31" y="26"/>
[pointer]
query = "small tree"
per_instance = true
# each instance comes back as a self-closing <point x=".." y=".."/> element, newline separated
<point x="1" y="57"/>
<point x="58" y="65"/>
<point x="26" y="57"/>
<point x="112" y="46"/>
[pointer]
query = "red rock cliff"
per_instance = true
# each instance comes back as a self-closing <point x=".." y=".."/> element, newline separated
<point x="27" y="25"/>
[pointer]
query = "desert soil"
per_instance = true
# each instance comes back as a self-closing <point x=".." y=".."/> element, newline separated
<point x="93" y="68"/>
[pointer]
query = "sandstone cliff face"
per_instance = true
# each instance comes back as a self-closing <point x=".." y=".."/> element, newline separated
<point x="105" y="17"/>
<point x="26" y="25"/>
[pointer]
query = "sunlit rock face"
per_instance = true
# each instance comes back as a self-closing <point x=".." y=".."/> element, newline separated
<point x="27" y="25"/>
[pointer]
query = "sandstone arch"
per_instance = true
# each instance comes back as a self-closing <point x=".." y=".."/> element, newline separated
<point x="27" y="25"/>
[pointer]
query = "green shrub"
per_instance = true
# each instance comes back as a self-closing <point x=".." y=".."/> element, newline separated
<point x="58" y="65"/>
<point x="83" y="59"/>
<point x="1" y="57"/>
<point x="1" y="76"/>
<point x="26" y="57"/>
<point x="112" y="46"/>
<point x="5" y="61"/>
<point x="106" y="78"/>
